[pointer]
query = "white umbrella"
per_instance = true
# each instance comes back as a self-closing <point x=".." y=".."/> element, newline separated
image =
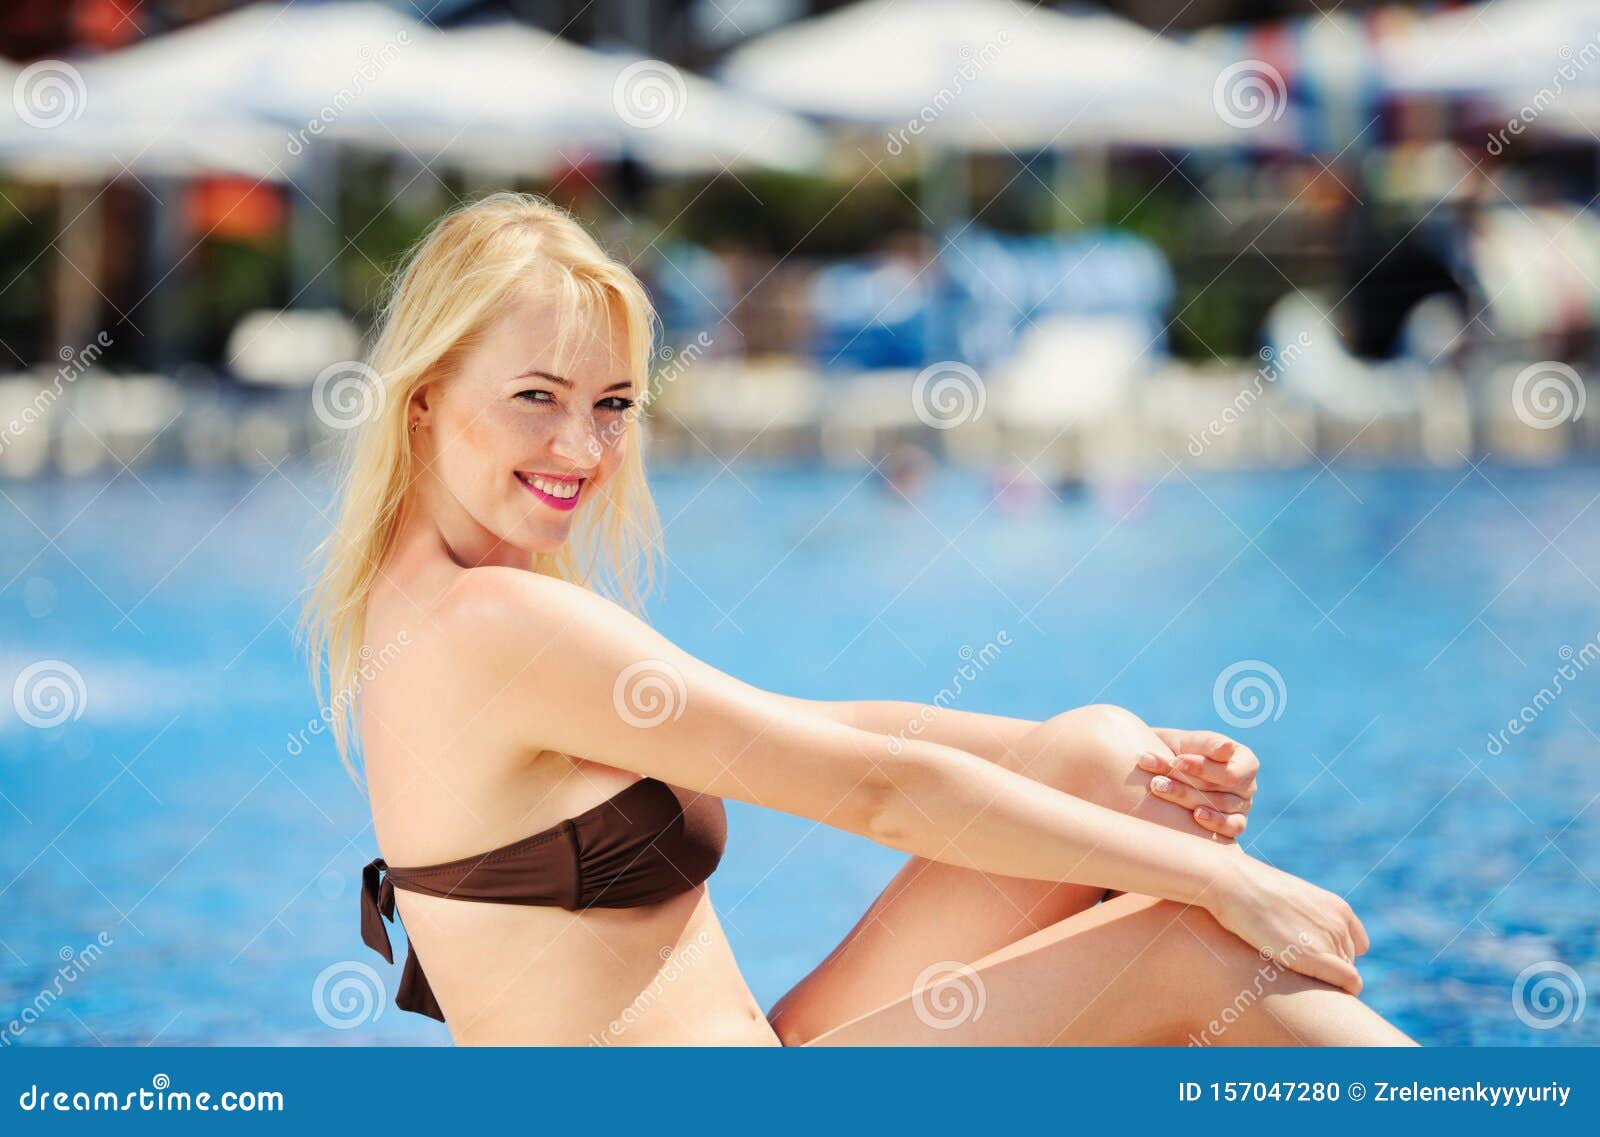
<point x="671" y="119"/>
<point x="1511" y="48"/>
<point x="986" y="74"/>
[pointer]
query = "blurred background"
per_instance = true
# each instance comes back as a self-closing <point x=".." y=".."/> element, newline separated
<point x="1225" y="361"/>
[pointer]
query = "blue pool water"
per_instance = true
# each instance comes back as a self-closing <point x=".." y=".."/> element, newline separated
<point x="1409" y="614"/>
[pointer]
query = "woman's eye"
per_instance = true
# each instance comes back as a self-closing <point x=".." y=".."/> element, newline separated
<point x="533" y="396"/>
<point x="616" y="403"/>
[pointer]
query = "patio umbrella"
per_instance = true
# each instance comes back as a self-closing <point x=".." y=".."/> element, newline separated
<point x="990" y="75"/>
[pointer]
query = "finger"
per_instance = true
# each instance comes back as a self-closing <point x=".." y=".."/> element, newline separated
<point x="1201" y="742"/>
<point x="1155" y="763"/>
<point x="1222" y="824"/>
<point x="1239" y="759"/>
<point x="1192" y="797"/>
<point x="1328" y="968"/>
<point x="1358" y="932"/>
<point x="1206" y="772"/>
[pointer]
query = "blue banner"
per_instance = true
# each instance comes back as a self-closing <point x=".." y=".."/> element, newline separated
<point x="821" y="1090"/>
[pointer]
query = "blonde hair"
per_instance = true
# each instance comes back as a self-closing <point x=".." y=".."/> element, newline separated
<point x="454" y="283"/>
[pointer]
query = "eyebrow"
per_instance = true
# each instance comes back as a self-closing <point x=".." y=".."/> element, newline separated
<point x="624" y="385"/>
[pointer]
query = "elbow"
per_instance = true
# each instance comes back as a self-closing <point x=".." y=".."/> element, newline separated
<point x="888" y="793"/>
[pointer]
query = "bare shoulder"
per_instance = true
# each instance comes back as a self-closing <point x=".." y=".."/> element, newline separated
<point x="491" y="614"/>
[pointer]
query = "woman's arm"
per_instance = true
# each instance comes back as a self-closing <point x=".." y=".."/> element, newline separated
<point x="565" y="669"/>
<point x="1199" y="764"/>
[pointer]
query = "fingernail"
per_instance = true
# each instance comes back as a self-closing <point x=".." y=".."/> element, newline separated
<point x="1208" y="814"/>
<point x="1161" y="785"/>
<point x="1150" y="760"/>
<point x="1225" y="751"/>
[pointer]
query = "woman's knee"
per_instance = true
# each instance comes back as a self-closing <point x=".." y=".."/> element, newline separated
<point x="1093" y="753"/>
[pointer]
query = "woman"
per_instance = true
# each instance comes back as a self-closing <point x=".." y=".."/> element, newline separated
<point x="554" y="768"/>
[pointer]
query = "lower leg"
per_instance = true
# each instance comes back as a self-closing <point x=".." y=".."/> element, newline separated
<point x="1132" y="971"/>
<point x="932" y="912"/>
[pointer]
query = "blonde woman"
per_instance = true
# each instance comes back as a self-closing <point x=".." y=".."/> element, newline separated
<point x="546" y="772"/>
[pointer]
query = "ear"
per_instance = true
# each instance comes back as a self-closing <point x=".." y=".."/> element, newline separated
<point x="421" y="396"/>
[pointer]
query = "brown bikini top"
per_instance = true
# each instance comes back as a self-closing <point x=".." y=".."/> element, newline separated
<point x="638" y="847"/>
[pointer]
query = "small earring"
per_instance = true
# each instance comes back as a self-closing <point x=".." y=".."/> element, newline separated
<point x="413" y="428"/>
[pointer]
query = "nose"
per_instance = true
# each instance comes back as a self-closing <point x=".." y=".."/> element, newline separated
<point x="577" y="441"/>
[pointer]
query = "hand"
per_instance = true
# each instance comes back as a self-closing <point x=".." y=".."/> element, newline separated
<point x="1207" y="773"/>
<point x="1303" y="927"/>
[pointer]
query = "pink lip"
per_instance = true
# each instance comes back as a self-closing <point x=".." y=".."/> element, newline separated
<point x="562" y="503"/>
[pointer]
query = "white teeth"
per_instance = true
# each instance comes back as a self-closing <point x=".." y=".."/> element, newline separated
<point x="554" y="489"/>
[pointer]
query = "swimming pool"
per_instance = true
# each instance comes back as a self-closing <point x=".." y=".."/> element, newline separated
<point x="1404" y="618"/>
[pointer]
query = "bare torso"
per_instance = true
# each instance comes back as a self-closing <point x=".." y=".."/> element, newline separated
<point x="444" y="784"/>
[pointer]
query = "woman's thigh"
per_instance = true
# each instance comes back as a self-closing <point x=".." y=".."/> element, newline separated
<point x="933" y="914"/>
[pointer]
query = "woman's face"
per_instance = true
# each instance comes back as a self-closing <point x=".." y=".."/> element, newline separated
<point x="520" y="440"/>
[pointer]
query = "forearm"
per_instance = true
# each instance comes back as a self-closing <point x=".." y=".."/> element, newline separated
<point x="987" y="736"/>
<point x="951" y="806"/>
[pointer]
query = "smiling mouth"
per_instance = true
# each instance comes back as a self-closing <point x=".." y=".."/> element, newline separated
<point x="558" y="493"/>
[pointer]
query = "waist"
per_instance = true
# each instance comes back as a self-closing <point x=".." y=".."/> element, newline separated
<point x="662" y="975"/>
